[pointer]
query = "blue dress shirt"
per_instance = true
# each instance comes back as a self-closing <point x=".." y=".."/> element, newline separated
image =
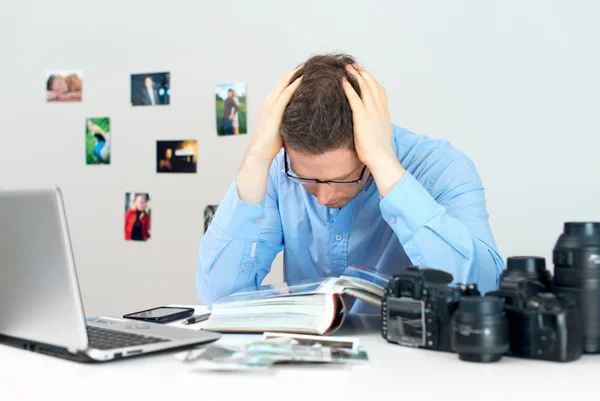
<point x="435" y="216"/>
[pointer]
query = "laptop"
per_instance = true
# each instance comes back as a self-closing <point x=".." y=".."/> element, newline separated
<point x="40" y="302"/>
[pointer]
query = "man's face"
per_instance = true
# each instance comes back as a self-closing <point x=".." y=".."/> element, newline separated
<point x="148" y="82"/>
<point x="229" y="94"/>
<point x="338" y="165"/>
<point x="168" y="153"/>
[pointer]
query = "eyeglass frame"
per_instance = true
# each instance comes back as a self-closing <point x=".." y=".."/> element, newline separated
<point x="315" y="181"/>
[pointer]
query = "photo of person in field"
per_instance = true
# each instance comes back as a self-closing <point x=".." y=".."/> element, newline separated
<point x="231" y="108"/>
<point x="97" y="141"/>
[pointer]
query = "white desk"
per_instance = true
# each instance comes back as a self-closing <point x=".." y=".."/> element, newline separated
<point x="394" y="373"/>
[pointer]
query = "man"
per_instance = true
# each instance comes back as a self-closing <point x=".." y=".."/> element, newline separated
<point x="229" y="110"/>
<point x="149" y="94"/>
<point x="165" y="164"/>
<point x="348" y="187"/>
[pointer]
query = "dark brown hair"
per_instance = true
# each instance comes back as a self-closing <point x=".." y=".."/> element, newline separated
<point x="318" y="118"/>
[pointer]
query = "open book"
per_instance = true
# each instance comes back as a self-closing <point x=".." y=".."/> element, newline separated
<point x="312" y="306"/>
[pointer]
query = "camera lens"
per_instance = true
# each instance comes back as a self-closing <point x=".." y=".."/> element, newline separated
<point x="480" y="329"/>
<point x="577" y="275"/>
<point x="531" y="268"/>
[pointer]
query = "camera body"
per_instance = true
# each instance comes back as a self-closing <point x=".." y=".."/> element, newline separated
<point x="418" y="306"/>
<point x="542" y="325"/>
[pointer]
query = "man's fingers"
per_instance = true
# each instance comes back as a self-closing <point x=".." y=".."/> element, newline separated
<point x="379" y="95"/>
<point x="282" y="84"/>
<point x="356" y="103"/>
<point x="288" y="92"/>
<point x="366" y="92"/>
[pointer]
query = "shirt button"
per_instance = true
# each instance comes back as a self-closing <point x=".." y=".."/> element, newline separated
<point x="338" y="237"/>
<point x="245" y="269"/>
<point x="257" y="221"/>
<point x="392" y="220"/>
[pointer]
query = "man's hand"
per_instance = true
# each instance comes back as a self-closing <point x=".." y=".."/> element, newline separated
<point x="266" y="142"/>
<point x="373" y="129"/>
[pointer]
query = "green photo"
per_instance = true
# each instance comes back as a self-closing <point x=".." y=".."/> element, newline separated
<point x="231" y="108"/>
<point x="97" y="140"/>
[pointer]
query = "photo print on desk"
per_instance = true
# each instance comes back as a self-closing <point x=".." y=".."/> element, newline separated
<point x="64" y="86"/>
<point x="209" y="214"/>
<point x="97" y="140"/>
<point x="176" y="156"/>
<point x="151" y="89"/>
<point x="231" y="108"/>
<point x="137" y="216"/>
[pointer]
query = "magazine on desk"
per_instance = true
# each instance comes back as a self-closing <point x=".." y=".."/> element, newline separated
<point x="310" y="306"/>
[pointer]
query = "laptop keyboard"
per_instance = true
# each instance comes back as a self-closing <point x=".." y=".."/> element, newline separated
<point x="103" y="339"/>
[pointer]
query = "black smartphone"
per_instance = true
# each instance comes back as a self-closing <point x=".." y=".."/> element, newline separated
<point x="162" y="314"/>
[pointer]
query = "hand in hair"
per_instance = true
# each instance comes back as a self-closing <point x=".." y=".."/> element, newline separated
<point x="373" y="129"/>
<point x="266" y="142"/>
<point x="370" y="116"/>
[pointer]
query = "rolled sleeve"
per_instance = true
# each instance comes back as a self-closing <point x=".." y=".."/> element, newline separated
<point x="240" y="219"/>
<point x="408" y="207"/>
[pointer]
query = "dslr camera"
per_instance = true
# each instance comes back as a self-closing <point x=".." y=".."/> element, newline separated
<point x="417" y="308"/>
<point x="542" y="324"/>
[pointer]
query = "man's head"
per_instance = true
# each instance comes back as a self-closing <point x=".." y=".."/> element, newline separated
<point x="148" y="82"/>
<point x="317" y="129"/>
<point x="230" y="93"/>
<point x="168" y="153"/>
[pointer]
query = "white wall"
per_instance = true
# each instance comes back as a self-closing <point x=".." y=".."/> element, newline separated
<point x="514" y="84"/>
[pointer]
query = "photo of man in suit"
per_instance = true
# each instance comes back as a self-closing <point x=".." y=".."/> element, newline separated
<point x="149" y="95"/>
<point x="150" y="89"/>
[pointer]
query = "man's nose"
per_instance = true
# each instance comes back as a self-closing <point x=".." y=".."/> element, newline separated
<point x="324" y="193"/>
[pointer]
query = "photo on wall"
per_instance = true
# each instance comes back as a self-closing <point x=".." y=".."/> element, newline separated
<point x="209" y="214"/>
<point x="176" y="156"/>
<point x="151" y="89"/>
<point x="64" y="86"/>
<point x="137" y="216"/>
<point x="231" y="108"/>
<point x="97" y="140"/>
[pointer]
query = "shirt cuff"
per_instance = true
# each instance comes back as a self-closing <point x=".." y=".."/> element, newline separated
<point x="239" y="219"/>
<point x="408" y="207"/>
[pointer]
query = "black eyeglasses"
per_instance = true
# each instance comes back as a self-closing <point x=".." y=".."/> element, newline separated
<point x="315" y="181"/>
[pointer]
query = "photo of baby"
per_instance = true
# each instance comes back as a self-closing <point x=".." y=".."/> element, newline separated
<point x="97" y="140"/>
<point x="231" y="108"/>
<point x="137" y="216"/>
<point x="64" y="86"/>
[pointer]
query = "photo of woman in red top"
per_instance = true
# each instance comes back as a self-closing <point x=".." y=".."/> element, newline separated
<point x="137" y="217"/>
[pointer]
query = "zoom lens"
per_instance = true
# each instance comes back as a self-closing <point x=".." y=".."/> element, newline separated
<point x="480" y="329"/>
<point x="577" y="275"/>
<point x="531" y="268"/>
